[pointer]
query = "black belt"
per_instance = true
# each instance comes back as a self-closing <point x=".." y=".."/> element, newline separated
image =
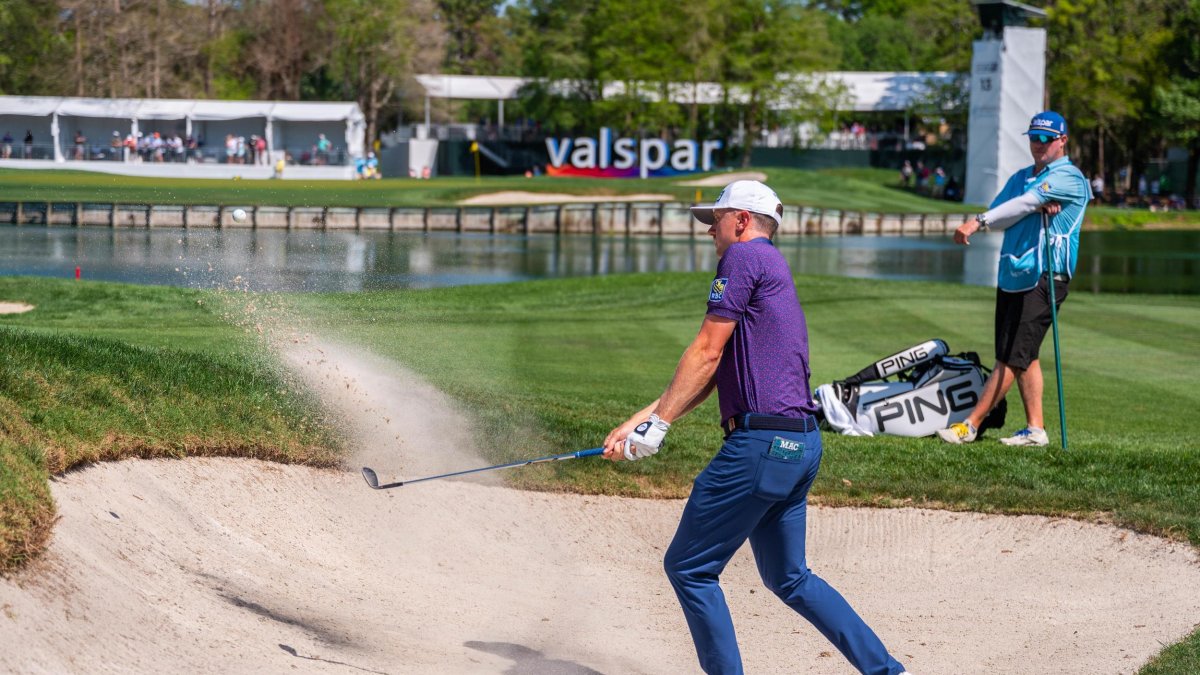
<point x="805" y="424"/>
<point x="1059" y="276"/>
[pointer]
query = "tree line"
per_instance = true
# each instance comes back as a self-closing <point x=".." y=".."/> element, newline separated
<point x="1125" y="73"/>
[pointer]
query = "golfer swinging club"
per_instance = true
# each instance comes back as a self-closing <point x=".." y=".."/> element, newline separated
<point x="753" y="347"/>
<point x="1054" y="187"/>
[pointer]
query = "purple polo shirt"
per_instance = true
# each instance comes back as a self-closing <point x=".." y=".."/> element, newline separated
<point x="765" y="365"/>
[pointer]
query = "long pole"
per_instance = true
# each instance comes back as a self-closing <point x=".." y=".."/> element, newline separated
<point x="1062" y="409"/>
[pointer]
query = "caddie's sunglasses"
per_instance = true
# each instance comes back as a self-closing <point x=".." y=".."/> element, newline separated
<point x="1042" y="139"/>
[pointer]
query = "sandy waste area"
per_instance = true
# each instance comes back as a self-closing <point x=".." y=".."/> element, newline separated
<point x="14" y="307"/>
<point x="224" y="565"/>
<point x="520" y="197"/>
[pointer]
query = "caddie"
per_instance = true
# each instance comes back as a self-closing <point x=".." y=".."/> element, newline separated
<point x="753" y="348"/>
<point x="1051" y="188"/>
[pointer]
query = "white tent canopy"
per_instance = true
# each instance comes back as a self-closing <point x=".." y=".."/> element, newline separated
<point x="867" y="91"/>
<point x="471" y="87"/>
<point x="131" y="111"/>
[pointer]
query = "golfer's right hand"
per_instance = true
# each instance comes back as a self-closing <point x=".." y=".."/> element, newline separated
<point x="614" y="443"/>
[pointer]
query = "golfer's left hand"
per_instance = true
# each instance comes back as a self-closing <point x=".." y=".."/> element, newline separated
<point x="1051" y="208"/>
<point x="646" y="439"/>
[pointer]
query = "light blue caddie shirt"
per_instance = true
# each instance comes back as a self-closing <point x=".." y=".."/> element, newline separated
<point x="1022" y="255"/>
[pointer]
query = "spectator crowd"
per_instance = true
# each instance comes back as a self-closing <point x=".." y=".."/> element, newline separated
<point x="163" y="147"/>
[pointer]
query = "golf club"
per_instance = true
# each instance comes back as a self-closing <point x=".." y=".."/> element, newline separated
<point x="373" y="480"/>
<point x="1062" y="410"/>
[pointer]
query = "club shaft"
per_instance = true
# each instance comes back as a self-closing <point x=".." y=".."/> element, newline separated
<point x="591" y="452"/>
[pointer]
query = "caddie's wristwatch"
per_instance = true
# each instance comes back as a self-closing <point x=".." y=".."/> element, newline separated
<point x="982" y="220"/>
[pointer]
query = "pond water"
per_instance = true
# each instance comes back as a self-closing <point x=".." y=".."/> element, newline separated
<point x="274" y="260"/>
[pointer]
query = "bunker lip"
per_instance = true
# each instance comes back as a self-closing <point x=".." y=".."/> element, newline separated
<point x="14" y="307"/>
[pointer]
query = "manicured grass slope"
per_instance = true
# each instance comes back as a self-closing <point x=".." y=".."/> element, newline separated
<point x="107" y="371"/>
<point x="860" y="190"/>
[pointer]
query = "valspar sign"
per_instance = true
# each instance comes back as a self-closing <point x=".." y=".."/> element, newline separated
<point x="603" y="157"/>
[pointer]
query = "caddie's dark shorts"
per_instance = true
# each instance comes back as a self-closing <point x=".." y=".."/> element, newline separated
<point x="1022" y="320"/>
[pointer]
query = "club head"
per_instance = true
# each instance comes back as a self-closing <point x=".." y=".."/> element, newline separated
<point x="370" y="477"/>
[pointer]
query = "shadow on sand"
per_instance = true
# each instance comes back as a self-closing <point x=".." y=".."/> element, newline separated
<point x="528" y="661"/>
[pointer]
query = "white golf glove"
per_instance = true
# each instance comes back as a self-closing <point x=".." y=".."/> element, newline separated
<point x="646" y="439"/>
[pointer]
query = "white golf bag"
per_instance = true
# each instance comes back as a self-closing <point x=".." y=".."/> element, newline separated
<point x="931" y="390"/>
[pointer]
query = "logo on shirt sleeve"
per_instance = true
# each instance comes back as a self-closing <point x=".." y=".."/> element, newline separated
<point x="718" y="289"/>
<point x="1044" y="188"/>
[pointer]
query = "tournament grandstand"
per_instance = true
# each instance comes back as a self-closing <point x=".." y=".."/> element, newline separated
<point x="196" y="138"/>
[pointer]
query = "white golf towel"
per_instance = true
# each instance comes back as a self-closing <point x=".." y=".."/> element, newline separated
<point x="837" y="414"/>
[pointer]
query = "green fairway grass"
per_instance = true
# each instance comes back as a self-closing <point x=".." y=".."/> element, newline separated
<point x="552" y="366"/>
<point x="100" y="371"/>
<point x="864" y="190"/>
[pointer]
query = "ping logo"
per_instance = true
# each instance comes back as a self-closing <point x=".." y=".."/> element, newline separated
<point x="718" y="289"/>
<point x="898" y="362"/>
<point x="911" y="409"/>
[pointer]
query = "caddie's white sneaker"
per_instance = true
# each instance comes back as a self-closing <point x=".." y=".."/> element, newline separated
<point x="1027" y="436"/>
<point x="959" y="432"/>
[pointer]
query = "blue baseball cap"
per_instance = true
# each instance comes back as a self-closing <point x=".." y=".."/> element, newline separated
<point x="1048" y="122"/>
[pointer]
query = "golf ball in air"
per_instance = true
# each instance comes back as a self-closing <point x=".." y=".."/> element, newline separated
<point x="239" y="215"/>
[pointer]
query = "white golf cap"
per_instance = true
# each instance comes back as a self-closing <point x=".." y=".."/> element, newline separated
<point x="743" y="195"/>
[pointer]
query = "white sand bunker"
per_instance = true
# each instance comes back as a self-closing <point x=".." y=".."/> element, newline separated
<point x="216" y="565"/>
<point x="723" y="179"/>
<point x="14" y="307"/>
<point x="517" y="197"/>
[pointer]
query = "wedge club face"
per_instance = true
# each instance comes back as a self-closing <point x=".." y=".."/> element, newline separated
<point x="370" y="477"/>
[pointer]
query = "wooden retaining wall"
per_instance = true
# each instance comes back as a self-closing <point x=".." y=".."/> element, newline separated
<point x="620" y="218"/>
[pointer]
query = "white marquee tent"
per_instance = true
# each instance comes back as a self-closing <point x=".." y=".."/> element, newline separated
<point x="285" y="125"/>
<point x="866" y="91"/>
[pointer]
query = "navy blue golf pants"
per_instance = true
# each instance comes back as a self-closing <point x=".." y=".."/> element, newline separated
<point x="749" y="490"/>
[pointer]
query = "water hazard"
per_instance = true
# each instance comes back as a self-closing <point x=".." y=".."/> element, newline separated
<point x="278" y="260"/>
